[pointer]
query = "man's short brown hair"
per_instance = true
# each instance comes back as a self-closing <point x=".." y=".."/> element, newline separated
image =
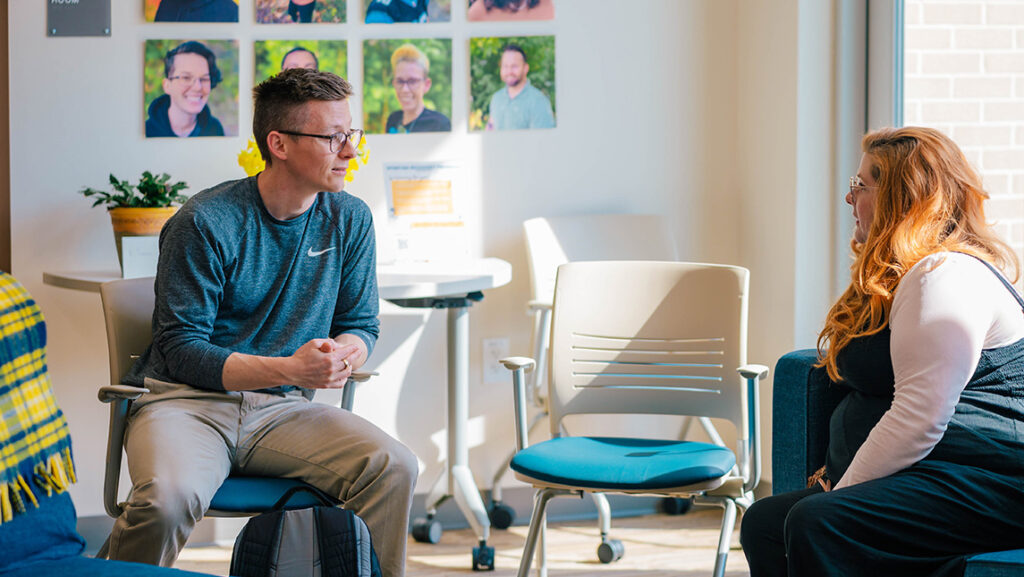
<point x="278" y="100"/>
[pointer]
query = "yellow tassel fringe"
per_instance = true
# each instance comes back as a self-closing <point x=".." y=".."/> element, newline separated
<point x="54" y="476"/>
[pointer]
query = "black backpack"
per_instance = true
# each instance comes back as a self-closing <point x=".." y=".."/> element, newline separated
<point x="321" y="541"/>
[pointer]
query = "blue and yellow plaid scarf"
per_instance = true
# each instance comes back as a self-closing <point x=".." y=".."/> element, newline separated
<point x="35" y="448"/>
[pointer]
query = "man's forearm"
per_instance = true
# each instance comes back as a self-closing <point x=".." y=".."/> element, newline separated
<point x="250" y="372"/>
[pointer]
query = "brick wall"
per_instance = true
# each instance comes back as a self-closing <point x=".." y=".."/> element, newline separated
<point x="964" y="74"/>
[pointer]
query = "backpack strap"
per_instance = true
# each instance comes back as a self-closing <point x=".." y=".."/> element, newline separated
<point x="256" y="547"/>
<point x="325" y="499"/>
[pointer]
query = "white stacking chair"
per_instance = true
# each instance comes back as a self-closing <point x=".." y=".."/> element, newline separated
<point x="550" y="243"/>
<point x="644" y="338"/>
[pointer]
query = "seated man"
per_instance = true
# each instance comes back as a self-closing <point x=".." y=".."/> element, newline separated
<point x="265" y="291"/>
<point x="37" y="519"/>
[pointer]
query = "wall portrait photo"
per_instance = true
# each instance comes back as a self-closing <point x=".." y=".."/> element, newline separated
<point x="407" y="86"/>
<point x="512" y="83"/>
<point x="190" y="10"/>
<point x="190" y="88"/>
<point x="300" y="11"/>
<point x="273" y="56"/>
<point x="510" y="10"/>
<point x="417" y="11"/>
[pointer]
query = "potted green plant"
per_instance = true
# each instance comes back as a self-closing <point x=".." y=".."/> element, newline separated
<point x="140" y="209"/>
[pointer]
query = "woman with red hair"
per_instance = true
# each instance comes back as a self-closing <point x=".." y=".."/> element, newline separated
<point x="925" y="462"/>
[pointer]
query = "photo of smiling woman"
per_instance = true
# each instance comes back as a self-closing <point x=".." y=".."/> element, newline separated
<point x="191" y="88"/>
<point x="407" y="86"/>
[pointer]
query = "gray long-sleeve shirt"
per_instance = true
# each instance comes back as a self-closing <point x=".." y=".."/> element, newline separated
<point x="232" y="278"/>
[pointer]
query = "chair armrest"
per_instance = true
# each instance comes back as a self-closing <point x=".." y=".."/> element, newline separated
<point x="519" y="366"/>
<point x="348" y="392"/>
<point x="536" y="305"/>
<point x="751" y="449"/>
<point x="753" y="371"/>
<point x="363" y="376"/>
<point x="110" y="393"/>
<point x="802" y="403"/>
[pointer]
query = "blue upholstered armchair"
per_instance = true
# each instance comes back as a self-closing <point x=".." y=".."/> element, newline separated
<point x="803" y="401"/>
<point x="37" y="519"/>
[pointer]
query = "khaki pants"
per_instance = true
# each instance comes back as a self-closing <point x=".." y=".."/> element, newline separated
<point x="182" y="442"/>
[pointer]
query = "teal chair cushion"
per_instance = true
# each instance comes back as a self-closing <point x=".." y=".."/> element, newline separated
<point x="612" y="463"/>
<point x="249" y="494"/>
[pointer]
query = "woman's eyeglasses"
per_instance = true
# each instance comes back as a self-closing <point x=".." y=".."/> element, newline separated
<point x="857" y="185"/>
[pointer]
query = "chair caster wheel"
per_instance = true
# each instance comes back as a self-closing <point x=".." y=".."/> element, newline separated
<point x="610" y="551"/>
<point x="427" y="530"/>
<point x="501" y="515"/>
<point x="483" y="557"/>
<point x="675" y="505"/>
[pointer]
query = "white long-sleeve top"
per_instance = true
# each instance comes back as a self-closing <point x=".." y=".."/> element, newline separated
<point x="947" y="308"/>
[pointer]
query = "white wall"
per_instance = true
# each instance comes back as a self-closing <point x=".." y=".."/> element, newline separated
<point x="704" y="89"/>
<point x="784" y="149"/>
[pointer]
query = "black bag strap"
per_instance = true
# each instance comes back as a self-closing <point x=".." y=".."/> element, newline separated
<point x="1003" y="280"/>
<point x="325" y="499"/>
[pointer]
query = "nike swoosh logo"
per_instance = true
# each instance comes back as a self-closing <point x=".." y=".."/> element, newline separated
<point x="311" y="252"/>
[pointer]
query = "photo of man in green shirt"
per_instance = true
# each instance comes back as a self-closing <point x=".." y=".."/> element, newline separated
<point x="518" y="105"/>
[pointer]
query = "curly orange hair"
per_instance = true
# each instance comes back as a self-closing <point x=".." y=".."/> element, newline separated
<point x="929" y="200"/>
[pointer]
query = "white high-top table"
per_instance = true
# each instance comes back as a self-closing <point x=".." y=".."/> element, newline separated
<point x="453" y="286"/>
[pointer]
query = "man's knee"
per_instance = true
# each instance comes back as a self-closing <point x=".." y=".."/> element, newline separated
<point x="402" y="466"/>
<point x="168" y="506"/>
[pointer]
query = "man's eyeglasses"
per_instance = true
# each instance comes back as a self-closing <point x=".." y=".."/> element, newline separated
<point x="857" y="185"/>
<point x="338" y="140"/>
<point x="189" y="80"/>
<point x="410" y="83"/>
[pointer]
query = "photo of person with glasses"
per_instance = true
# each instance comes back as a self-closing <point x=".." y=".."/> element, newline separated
<point x="183" y="110"/>
<point x="407" y="85"/>
<point x="411" y="79"/>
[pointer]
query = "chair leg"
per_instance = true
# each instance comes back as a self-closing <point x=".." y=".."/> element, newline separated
<point x="725" y="537"/>
<point x="540" y="503"/>
<point x="542" y="557"/>
<point x="604" y="513"/>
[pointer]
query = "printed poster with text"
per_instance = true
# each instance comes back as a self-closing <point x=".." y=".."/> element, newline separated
<point x="424" y="211"/>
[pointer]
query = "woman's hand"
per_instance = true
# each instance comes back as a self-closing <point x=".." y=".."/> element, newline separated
<point x="819" y="478"/>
